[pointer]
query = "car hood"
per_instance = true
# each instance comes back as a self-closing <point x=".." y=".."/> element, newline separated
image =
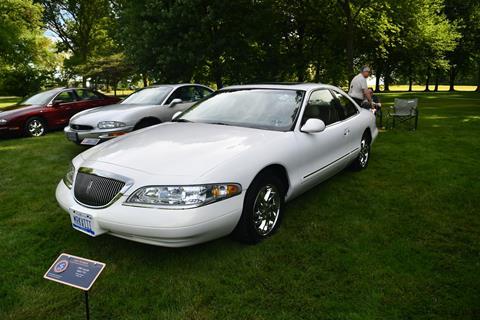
<point x="179" y="149"/>
<point x="114" y="112"/>
<point x="16" y="109"/>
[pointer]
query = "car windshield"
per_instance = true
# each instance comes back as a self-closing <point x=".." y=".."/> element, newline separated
<point x="268" y="109"/>
<point x="40" y="98"/>
<point x="154" y="95"/>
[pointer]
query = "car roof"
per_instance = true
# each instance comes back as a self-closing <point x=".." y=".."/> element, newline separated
<point x="177" y="85"/>
<point x="305" y="86"/>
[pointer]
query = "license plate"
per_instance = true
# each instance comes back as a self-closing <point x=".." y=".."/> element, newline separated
<point x="82" y="222"/>
<point x="72" y="136"/>
<point x="90" y="141"/>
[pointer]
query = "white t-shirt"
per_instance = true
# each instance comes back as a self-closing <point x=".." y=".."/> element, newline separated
<point x="357" y="87"/>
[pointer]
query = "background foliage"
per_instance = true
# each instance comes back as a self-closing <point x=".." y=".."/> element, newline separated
<point x="107" y="43"/>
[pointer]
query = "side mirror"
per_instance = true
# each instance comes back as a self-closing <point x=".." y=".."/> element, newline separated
<point x="56" y="102"/>
<point x="175" y="101"/>
<point x="176" y="115"/>
<point x="313" y="125"/>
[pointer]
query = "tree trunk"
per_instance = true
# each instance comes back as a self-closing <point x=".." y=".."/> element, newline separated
<point x="436" y="83"/>
<point x="350" y="36"/>
<point x="410" y="84"/>
<point x="386" y="81"/>
<point x="377" y="82"/>
<point x="478" y="78"/>
<point x="217" y="73"/>
<point x="452" y="78"/>
<point x="84" y="81"/>
<point x="317" y="72"/>
<point x="427" y="84"/>
<point x="145" y="79"/>
<point x="301" y="65"/>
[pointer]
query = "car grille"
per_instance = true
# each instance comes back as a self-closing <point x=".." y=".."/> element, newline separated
<point x="80" y="127"/>
<point x="96" y="191"/>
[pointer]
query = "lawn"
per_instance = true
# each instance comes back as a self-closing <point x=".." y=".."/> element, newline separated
<point x="400" y="240"/>
<point x="7" y="101"/>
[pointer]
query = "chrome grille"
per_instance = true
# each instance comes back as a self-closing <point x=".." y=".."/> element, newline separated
<point x="96" y="191"/>
<point x="80" y="127"/>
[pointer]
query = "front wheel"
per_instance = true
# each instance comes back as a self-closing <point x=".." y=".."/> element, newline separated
<point x="262" y="209"/>
<point x="361" y="162"/>
<point x="35" y="127"/>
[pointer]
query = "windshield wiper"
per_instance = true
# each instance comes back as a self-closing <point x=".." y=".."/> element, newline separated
<point x="181" y="120"/>
<point x="219" y="123"/>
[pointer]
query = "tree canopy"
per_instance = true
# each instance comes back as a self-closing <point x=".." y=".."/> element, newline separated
<point x="226" y="42"/>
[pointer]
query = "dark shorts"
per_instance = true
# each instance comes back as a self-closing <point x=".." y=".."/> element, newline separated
<point x="361" y="103"/>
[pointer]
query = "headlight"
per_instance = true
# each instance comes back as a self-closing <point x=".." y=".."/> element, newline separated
<point x="3" y="122"/>
<point x="68" y="178"/>
<point x="110" y="124"/>
<point x="183" y="197"/>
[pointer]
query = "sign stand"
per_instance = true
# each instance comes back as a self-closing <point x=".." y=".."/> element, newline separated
<point x="76" y="272"/>
<point x="87" y="308"/>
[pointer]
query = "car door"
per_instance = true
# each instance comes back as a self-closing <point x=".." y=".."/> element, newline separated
<point x="64" y="104"/>
<point x="321" y="154"/>
<point x="353" y="131"/>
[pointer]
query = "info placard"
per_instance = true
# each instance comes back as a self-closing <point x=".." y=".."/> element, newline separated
<point x="74" y="271"/>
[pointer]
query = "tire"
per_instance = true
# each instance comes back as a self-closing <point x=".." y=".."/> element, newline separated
<point x="146" y="123"/>
<point x="35" y="127"/>
<point x="361" y="162"/>
<point x="252" y="227"/>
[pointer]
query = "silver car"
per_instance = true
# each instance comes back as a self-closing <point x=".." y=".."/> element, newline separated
<point x="146" y="107"/>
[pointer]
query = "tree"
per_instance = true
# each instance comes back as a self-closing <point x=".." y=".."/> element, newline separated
<point x="27" y="60"/>
<point x="466" y="56"/>
<point x="78" y="24"/>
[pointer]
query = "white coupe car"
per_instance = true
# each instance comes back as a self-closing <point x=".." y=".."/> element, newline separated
<point x="226" y="165"/>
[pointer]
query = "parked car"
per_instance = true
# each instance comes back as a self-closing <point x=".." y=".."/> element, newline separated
<point x="227" y="164"/>
<point x="49" y="110"/>
<point x="144" y="108"/>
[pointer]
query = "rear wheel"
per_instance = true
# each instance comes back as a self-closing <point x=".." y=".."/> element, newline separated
<point x="35" y="127"/>
<point x="262" y="209"/>
<point x="361" y="162"/>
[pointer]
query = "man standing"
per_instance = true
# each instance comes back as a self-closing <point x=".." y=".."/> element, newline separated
<point x="359" y="89"/>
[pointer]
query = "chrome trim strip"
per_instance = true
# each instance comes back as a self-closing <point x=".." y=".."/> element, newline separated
<point x="333" y="162"/>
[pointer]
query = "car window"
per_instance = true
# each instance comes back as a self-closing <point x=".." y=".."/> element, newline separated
<point x="202" y="92"/>
<point x="40" y="98"/>
<point x="346" y="105"/>
<point x="270" y="109"/>
<point x="65" y="96"/>
<point x="189" y="94"/>
<point x="85" y="94"/>
<point x="152" y="95"/>
<point x="321" y="105"/>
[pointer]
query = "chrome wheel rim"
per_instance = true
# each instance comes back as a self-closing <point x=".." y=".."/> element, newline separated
<point x="364" y="152"/>
<point x="35" y="128"/>
<point x="266" y="209"/>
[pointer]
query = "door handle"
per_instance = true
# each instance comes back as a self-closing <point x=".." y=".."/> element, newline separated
<point x="346" y="132"/>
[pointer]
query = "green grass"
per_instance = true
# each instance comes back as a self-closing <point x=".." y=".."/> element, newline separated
<point x="400" y="240"/>
<point x="8" y="101"/>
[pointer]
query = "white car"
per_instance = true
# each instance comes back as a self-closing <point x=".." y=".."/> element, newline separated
<point x="143" y="108"/>
<point x="227" y="164"/>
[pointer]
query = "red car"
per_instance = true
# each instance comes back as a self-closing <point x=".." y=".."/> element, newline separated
<point x="49" y="110"/>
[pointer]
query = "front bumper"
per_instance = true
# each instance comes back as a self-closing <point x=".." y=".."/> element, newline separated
<point x="77" y="136"/>
<point x="163" y="227"/>
<point x="6" y="130"/>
